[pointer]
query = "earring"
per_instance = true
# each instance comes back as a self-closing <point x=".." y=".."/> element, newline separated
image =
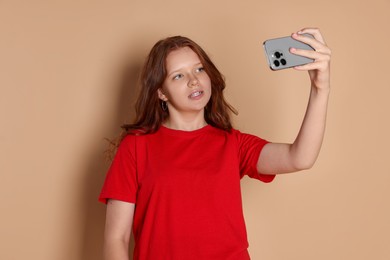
<point x="164" y="106"/>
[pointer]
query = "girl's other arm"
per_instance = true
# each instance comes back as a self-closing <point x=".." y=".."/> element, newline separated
<point x="119" y="221"/>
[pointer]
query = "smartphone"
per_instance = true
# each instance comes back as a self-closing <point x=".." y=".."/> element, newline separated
<point x="278" y="52"/>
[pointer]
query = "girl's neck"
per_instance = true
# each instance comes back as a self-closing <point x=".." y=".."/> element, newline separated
<point x="185" y="123"/>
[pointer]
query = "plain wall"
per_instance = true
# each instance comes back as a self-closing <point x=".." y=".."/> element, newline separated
<point x="68" y="72"/>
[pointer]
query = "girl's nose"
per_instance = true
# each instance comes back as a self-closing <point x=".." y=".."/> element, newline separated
<point x="193" y="82"/>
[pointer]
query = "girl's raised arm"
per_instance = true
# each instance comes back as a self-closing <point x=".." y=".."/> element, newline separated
<point x="279" y="158"/>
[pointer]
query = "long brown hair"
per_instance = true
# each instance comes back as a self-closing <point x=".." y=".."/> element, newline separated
<point x="149" y="113"/>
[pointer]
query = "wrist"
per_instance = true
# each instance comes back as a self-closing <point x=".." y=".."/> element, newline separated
<point x="320" y="95"/>
<point x="321" y="91"/>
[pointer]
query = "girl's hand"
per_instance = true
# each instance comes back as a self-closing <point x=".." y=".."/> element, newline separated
<point x="319" y="70"/>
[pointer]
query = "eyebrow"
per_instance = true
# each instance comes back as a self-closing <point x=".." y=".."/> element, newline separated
<point x="177" y="70"/>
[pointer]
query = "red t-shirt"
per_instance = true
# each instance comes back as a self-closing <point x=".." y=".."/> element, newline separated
<point x="186" y="187"/>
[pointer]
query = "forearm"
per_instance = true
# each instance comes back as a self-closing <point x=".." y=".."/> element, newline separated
<point x="119" y="220"/>
<point x="306" y="147"/>
<point x="116" y="249"/>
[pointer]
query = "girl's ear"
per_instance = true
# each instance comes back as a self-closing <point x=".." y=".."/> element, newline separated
<point x="161" y="95"/>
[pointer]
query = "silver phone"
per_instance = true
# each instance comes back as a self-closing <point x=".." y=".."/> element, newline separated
<point x="278" y="52"/>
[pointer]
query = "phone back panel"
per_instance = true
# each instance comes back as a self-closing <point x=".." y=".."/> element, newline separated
<point x="278" y="52"/>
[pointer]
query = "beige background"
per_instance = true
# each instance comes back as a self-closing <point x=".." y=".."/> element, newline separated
<point x="68" y="71"/>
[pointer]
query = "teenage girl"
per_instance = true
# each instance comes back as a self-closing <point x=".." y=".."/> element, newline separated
<point x="175" y="178"/>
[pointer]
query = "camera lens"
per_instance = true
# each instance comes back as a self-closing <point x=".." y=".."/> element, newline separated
<point x="283" y="61"/>
<point x="276" y="63"/>
<point x="277" y="54"/>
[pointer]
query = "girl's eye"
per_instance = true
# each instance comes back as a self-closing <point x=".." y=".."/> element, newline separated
<point x="179" y="76"/>
<point x="200" y="69"/>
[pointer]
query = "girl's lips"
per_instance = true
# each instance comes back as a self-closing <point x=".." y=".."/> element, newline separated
<point x="196" y="94"/>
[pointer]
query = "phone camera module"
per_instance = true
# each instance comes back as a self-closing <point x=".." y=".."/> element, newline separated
<point x="278" y="59"/>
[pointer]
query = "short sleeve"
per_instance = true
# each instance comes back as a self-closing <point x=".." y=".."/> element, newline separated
<point x="121" y="179"/>
<point x="250" y="148"/>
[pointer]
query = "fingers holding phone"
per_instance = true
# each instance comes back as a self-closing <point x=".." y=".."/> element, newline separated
<point x="304" y="50"/>
<point x="319" y="69"/>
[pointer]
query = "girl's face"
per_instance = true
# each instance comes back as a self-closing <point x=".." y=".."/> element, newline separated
<point x="187" y="87"/>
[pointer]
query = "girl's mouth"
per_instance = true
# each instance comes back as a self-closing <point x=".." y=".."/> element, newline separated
<point x="195" y="94"/>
